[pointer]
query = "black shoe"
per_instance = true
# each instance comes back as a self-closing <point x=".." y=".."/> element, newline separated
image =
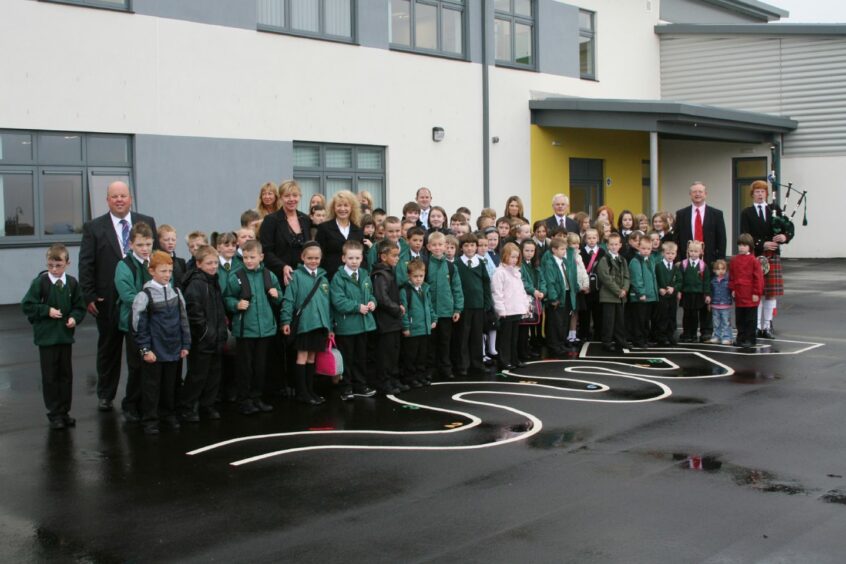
<point x="401" y="386"/>
<point x="58" y="424"/>
<point x="247" y="408"/>
<point x="105" y="405"/>
<point x="364" y="392"/>
<point x="760" y="333"/>
<point x="488" y="361"/>
<point x="211" y="414"/>
<point x="640" y="345"/>
<point x="766" y="334"/>
<point x="131" y="417"/>
<point x="347" y="395"/>
<point x="151" y="429"/>
<point x="685" y="339"/>
<point x="172" y="422"/>
<point x="745" y="345"/>
<point x="415" y="384"/>
<point x="263" y="407"/>
<point x="307" y="400"/>
<point x="609" y="348"/>
<point x="69" y="421"/>
<point x="533" y="356"/>
<point x="672" y="342"/>
<point x="705" y="338"/>
<point x="189" y="417"/>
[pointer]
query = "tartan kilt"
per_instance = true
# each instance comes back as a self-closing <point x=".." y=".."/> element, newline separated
<point x="774" y="280"/>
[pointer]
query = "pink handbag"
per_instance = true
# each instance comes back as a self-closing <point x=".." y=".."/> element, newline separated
<point x="329" y="362"/>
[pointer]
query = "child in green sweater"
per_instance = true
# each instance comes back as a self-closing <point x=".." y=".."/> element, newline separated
<point x="418" y="320"/>
<point x="55" y="306"/>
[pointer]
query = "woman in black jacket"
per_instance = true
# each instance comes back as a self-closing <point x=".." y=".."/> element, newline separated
<point x="283" y="233"/>
<point x="341" y="225"/>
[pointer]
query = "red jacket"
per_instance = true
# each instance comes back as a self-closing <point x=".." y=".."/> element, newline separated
<point x="746" y="279"/>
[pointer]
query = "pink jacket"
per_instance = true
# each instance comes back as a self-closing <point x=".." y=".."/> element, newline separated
<point x="509" y="295"/>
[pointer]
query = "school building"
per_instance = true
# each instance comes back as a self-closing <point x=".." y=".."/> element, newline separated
<point x="196" y="103"/>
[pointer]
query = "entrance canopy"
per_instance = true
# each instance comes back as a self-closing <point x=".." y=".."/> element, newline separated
<point x="669" y="119"/>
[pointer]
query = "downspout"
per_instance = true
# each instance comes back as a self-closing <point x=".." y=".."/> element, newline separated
<point x="775" y="158"/>
<point x="486" y="125"/>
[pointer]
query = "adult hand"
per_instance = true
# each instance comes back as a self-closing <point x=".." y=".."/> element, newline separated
<point x="780" y="238"/>
<point x="287" y="273"/>
<point x="770" y="246"/>
<point x="92" y="307"/>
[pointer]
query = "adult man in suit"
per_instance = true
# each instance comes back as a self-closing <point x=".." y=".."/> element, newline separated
<point x="560" y="207"/>
<point x="105" y="241"/>
<point x="705" y="223"/>
<point x="424" y="200"/>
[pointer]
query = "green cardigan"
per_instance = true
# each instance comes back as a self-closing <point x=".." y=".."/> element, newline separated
<point x="47" y="331"/>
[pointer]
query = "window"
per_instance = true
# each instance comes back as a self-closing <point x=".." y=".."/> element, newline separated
<point x="123" y="5"/>
<point x="327" y="19"/>
<point x="328" y="169"/>
<point x="646" y="189"/>
<point x="587" y="44"/>
<point x="429" y="26"/>
<point x="51" y="183"/>
<point x="514" y="32"/>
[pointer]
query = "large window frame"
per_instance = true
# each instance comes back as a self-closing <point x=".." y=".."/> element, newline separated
<point x="587" y="38"/>
<point x="323" y="173"/>
<point x="513" y="19"/>
<point x="101" y="4"/>
<point x="266" y="6"/>
<point x="441" y="7"/>
<point x="93" y="173"/>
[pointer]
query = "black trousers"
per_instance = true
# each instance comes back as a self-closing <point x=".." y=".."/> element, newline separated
<point x="387" y="356"/>
<point x="251" y="366"/>
<point x="557" y="325"/>
<point x="591" y="315"/>
<point x="354" y="350"/>
<point x="523" y="347"/>
<point x="134" y="366"/>
<point x="470" y="340"/>
<point x="641" y="319"/>
<point x="202" y="382"/>
<point x="415" y="357"/>
<point x="666" y="312"/>
<point x="157" y="390"/>
<point x="109" y="350"/>
<point x="440" y="357"/>
<point x="56" y="379"/>
<point x="694" y="320"/>
<point x="506" y="339"/>
<point x="746" y="319"/>
<point x="613" y="324"/>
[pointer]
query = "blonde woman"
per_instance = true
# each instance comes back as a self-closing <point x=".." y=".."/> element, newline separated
<point x="268" y="199"/>
<point x="343" y="218"/>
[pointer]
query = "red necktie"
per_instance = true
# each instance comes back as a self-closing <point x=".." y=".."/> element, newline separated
<point x="697" y="227"/>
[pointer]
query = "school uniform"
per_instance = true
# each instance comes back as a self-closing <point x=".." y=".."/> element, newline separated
<point x="560" y="300"/>
<point x="533" y="280"/>
<point x="667" y="275"/>
<point x="417" y="322"/>
<point x="254" y="330"/>
<point x="476" y="288"/>
<point x="746" y="279"/>
<point x="695" y="286"/>
<point x="130" y="276"/>
<point x="388" y="327"/>
<point x="613" y="273"/>
<point x="643" y="293"/>
<point x="593" y="309"/>
<point x="447" y="300"/>
<point x="54" y="339"/>
<point x="349" y="290"/>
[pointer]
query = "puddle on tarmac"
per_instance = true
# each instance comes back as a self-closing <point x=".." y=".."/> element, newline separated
<point x="558" y="438"/>
<point x="753" y="377"/>
<point x="835" y="496"/>
<point x="684" y="399"/>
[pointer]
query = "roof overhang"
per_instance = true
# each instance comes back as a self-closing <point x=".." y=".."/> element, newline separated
<point x="771" y="29"/>
<point x="753" y="8"/>
<point x="670" y="119"/>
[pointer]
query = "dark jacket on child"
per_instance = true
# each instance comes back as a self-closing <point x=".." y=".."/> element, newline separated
<point x="161" y="326"/>
<point x="696" y="279"/>
<point x="206" y="312"/>
<point x="475" y="285"/>
<point x="386" y="292"/>
<point x="419" y="311"/>
<point x="613" y="273"/>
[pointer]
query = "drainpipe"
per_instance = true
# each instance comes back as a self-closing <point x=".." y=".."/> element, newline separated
<point x="486" y="125"/>
<point x="653" y="171"/>
<point x="775" y="154"/>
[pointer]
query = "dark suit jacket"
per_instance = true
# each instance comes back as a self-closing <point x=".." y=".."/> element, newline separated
<point x="713" y="231"/>
<point x="552" y="224"/>
<point x="761" y="231"/>
<point x="98" y="258"/>
<point x="279" y="244"/>
<point x="332" y="241"/>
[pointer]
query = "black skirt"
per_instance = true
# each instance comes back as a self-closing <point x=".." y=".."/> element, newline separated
<point x="313" y="341"/>
<point x="581" y="302"/>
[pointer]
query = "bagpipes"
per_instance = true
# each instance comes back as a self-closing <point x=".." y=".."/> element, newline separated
<point x="782" y="224"/>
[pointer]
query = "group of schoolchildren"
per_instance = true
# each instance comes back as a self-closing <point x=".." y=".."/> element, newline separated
<point x="415" y="304"/>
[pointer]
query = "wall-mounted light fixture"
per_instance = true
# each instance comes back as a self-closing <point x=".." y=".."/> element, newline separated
<point x="438" y="134"/>
<point x="494" y="139"/>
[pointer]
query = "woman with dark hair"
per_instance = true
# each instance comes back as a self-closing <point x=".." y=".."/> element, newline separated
<point x="284" y="233"/>
<point x="341" y="225"/>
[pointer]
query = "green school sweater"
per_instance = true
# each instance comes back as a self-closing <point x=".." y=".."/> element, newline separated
<point x="475" y="285"/>
<point x="128" y="284"/>
<point x="446" y="292"/>
<point x="695" y="281"/>
<point x="642" y="280"/>
<point x="665" y="278"/>
<point x="47" y="331"/>
<point x="419" y="311"/>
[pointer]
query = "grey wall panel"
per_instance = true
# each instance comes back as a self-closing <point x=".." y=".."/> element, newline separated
<point x="558" y="38"/>
<point x="231" y="13"/>
<point x="801" y="77"/>
<point x="372" y="19"/>
<point x="697" y="12"/>
<point x="21" y="267"/>
<point x="473" y="29"/>
<point x="204" y="183"/>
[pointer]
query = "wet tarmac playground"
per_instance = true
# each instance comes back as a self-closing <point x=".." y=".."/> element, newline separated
<point x="687" y="454"/>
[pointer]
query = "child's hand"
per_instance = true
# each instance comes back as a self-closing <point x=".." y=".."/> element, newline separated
<point x="243" y="305"/>
<point x="434" y="324"/>
<point x="55" y="313"/>
<point x="662" y="291"/>
<point x="273" y="293"/>
<point x="71" y="323"/>
<point x="367" y="243"/>
<point x="555" y="303"/>
<point x="642" y="298"/>
<point x="407" y="333"/>
<point x="755" y="298"/>
<point x="679" y="296"/>
<point x="456" y="317"/>
<point x="286" y="329"/>
<point x="671" y="290"/>
<point x="733" y="295"/>
<point x="149" y="357"/>
<point x="402" y="309"/>
<point x="363" y="309"/>
<point x="183" y="353"/>
<point x="623" y="294"/>
<point x="371" y="306"/>
<point x="707" y="299"/>
<point x="331" y="335"/>
<point x="539" y="294"/>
